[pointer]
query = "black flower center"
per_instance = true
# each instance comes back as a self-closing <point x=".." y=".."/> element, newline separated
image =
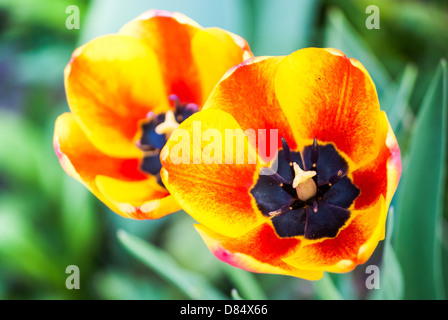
<point x="152" y="140"/>
<point x="325" y="211"/>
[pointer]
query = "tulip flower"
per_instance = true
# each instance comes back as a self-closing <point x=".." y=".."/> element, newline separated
<point x="318" y="201"/>
<point x="127" y="92"/>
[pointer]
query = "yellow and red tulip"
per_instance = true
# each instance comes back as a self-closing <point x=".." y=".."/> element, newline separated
<point x="319" y="202"/>
<point x="121" y="88"/>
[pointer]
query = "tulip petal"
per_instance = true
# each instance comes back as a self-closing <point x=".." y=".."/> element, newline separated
<point x="221" y="199"/>
<point x="270" y="196"/>
<point x="214" y="52"/>
<point x="380" y="176"/>
<point x="333" y="99"/>
<point x="112" y="82"/>
<point x="152" y="164"/>
<point x="170" y="34"/>
<point x="352" y="246"/>
<point x="144" y="199"/>
<point x="150" y="136"/>
<point x="250" y="87"/>
<point x="81" y="160"/>
<point x="192" y="58"/>
<point x="260" y="250"/>
<point x="326" y="221"/>
<point x="291" y="223"/>
<point x="330" y="162"/>
<point x="342" y="193"/>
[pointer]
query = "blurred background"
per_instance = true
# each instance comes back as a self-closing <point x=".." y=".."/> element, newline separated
<point x="49" y="221"/>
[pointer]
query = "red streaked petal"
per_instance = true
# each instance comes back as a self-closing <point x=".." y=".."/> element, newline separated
<point x="170" y="35"/>
<point x="72" y="144"/>
<point x="214" y="52"/>
<point x="352" y="246"/>
<point x="331" y="98"/>
<point x="111" y="84"/>
<point x="192" y="58"/>
<point x="247" y="93"/>
<point x="144" y="199"/>
<point x="260" y="250"/>
<point x="212" y="190"/>
<point x="117" y="182"/>
<point x="380" y="176"/>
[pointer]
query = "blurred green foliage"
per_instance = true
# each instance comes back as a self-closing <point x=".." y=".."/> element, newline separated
<point x="49" y="221"/>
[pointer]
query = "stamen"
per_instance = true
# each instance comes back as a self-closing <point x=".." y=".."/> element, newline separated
<point x="286" y="151"/>
<point x="192" y="107"/>
<point x="301" y="176"/>
<point x="304" y="205"/>
<point x="168" y="126"/>
<point x="315" y="207"/>
<point x="150" y="115"/>
<point x="336" y="177"/>
<point x="284" y="209"/>
<point x="273" y="176"/>
<point x="174" y="98"/>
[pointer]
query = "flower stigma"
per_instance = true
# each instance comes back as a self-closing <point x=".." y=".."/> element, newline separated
<point x="168" y="126"/>
<point x="303" y="183"/>
<point x="157" y="129"/>
<point x="309" y="194"/>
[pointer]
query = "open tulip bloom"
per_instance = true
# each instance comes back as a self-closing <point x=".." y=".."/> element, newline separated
<point x="290" y="167"/>
<point x="127" y="92"/>
<point x="287" y="163"/>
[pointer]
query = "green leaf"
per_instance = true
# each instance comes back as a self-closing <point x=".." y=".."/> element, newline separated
<point x="227" y="14"/>
<point x="20" y="148"/>
<point x="396" y="112"/>
<point x="21" y="247"/>
<point x="339" y="34"/>
<point x="391" y="283"/>
<point x="189" y="248"/>
<point x="118" y="285"/>
<point x="418" y="243"/>
<point x="78" y="220"/>
<point x="326" y="290"/>
<point x="245" y="283"/>
<point x="279" y="31"/>
<point x="235" y="295"/>
<point x="193" y="285"/>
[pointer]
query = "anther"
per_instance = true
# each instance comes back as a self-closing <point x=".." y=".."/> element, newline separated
<point x="192" y="107"/>
<point x="284" y="209"/>
<point x="315" y="207"/>
<point x="336" y="177"/>
<point x="314" y="152"/>
<point x="150" y="115"/>
<point x="174" y="98"/>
